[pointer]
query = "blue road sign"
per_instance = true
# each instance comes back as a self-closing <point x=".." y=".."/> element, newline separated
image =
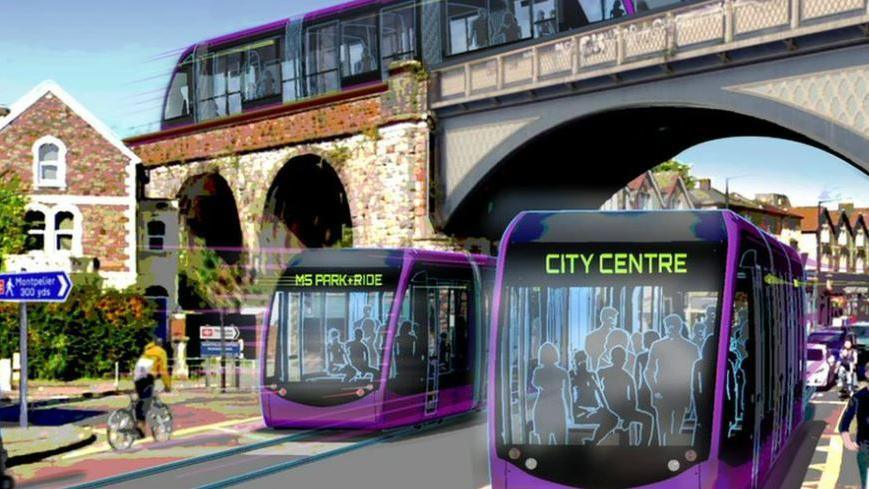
<point x="34" y="287"/>
<point x="212" y="349"/>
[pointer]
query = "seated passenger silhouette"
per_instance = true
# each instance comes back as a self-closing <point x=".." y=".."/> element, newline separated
<point x="360" y="357"/>
<point x="620" y="392"/>
<point x="668" y="374"/>
<point x="617" y="10"/>
<point x="588" y="407"/>
<point x="336" y="359"/>
<point x="550" y="407"/>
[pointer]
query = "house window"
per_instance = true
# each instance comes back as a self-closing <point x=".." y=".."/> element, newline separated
<point x="156" y="235"/>
<point x="34" y="221"/>
<point x="64" y="231"/>
<point x="49" y="162"/>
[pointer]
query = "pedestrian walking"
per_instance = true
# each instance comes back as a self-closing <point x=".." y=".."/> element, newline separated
<point x="858" y="408"/>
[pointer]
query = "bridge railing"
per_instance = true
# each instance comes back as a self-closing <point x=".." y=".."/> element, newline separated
<point x="680" y="33"/>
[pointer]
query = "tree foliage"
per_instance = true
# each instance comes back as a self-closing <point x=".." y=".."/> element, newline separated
<point x="209" y="281"/>
<point x="13" y="205"/>
<point x="684" y="170"/>
<point x="82" y="337"/>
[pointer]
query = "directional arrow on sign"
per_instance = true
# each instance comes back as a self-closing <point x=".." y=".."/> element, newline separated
<point x="35" y="287"/>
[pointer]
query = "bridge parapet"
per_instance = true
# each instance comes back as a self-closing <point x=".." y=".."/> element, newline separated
<point x="678" y="34"/>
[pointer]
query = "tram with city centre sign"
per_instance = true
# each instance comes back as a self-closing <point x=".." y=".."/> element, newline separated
<point x="375" y="338"/>
<point x="643" y="349"/>
<point x="346" y="50"/>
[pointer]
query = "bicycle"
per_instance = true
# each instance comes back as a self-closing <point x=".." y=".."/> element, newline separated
<point x="122" y="430"/>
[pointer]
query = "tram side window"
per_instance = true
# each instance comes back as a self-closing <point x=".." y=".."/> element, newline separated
<point x="475" y="24"/>
<point x="262" y="71"/>
<point x="359" y="46"/>
<point x="220" y="85"/>
<point x="398" y="34"/>
<point x="321" y="59"/>
<point x="738" y="420"/>
<point x="178" y="100"/>
<point x="272" y="353"/>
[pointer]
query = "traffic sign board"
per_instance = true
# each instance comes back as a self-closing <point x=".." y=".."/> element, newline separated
<point x="34" y="287"/>
<point x="213" y="333"/>
<point x="212" y="349"/>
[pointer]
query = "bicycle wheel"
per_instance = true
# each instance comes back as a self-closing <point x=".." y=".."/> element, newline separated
<point x="121" y="429"/>
<point x="160" y="421"/>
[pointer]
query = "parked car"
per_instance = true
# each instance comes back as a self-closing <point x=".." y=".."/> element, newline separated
<point x="821" y="365"/>
<point x="833" y="338"/>
<point x="860" y="333"/>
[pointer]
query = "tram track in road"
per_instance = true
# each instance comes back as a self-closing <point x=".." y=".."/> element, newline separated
<point x="180" y="464"/>
<point x="392" y="435"/>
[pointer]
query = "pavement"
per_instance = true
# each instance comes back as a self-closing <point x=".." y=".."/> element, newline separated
<point x="205" y="421"/>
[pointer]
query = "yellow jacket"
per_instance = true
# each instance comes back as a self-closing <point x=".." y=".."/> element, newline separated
<point x="161" y="362"/>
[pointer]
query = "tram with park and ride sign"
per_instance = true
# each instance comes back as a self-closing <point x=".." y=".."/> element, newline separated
<point x="643" y="349"/>
<point x="375" y="338"/>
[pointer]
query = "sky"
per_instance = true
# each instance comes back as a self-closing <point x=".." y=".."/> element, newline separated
<point x="115" y="57"/>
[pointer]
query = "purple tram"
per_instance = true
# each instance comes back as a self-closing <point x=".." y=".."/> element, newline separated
<point x="375" y="338"/>
<point x="643" y="349"/>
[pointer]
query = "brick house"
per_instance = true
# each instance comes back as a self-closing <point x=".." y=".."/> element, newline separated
<point x="80" y="179"/>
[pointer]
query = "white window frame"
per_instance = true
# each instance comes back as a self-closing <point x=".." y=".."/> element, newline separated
<point x="76" y="249"/>
<point x="47" y="218"/>
<point x="162" y="237"/>
<point x="60" y="181"/>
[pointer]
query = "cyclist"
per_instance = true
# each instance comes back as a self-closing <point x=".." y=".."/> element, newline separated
<point x="151" y="363"/>
<point x="848" y="368"/>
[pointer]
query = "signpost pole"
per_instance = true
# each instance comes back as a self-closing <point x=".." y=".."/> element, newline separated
<point x="222" y="355"/>
<point x="22" y="384"/>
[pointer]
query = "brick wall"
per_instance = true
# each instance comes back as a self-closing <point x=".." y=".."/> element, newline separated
<point x="94" y="165"/>
<point x="103" y="231"/>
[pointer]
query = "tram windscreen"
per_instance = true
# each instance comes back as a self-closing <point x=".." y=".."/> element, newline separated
<point x="607" y="354"/>
<point x="327" y="332"/>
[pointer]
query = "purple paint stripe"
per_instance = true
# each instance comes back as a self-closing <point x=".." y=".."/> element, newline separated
<point x="724" y="337"/>
<point x="495" y="329"/>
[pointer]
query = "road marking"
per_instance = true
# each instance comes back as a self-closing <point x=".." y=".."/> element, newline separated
<point x="833" y="464"/>
<point x="105" y="447"/>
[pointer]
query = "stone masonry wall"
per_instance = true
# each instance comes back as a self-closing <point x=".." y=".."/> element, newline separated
<point x="378" y="145"/>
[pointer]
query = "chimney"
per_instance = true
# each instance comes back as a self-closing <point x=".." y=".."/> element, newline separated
<point x="847" y="207"/>
<point x="704" y="183"/>
<point x="4" y="111"/>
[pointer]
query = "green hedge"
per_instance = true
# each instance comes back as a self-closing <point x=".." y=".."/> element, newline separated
<point x="82" y="337"/>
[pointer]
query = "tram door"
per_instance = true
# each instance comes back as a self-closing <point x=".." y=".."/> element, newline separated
<point x="431" y="352"/>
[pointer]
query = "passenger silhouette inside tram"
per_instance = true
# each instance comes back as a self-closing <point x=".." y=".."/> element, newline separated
<point x="670" y="369"/>
<point x="644" y="394"/>
<point x="620" y="391"/>
<point x="550" y="407"/>
<point x="407" y="358"/>
<point x="595" y="342"/>
<point x="589" y="409"/>
<point x="736" y="355"/>
<point x="360" y="357"/>
<point x="336" y="360"/>
<point x="617" y="10"/>
<point x="369" y="327"/>
<point x="618" y="337"/>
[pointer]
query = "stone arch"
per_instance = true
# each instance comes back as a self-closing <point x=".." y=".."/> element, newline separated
<point x="306" y="206"/>
<point x="474" y="143"/>
<point x="209" y="217"/>
<point x="634" y="138"/>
